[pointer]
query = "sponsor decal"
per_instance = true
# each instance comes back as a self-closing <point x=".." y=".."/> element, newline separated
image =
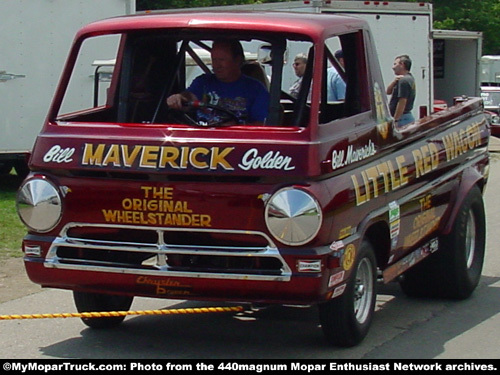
<point x="337" y="246"/>
<point x="336" y="279"/>
<point x="166" y="287"/>
<point x="349" y="256"/>
<point x="394" y="228"/>
<point x="394" y="211"/>
<point x="65" y="190"/>
<point x="341" y="158"/>
<point x="410" y="260"/>
<point x="345" y="232"/>
<point x="309" y="265"/>
<point x="394" y="222"/>
<point x="157" y="206"/>
<point x="338" y="291"/>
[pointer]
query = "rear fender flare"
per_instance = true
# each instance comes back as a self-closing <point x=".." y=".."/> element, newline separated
<point x="470" y="177"/>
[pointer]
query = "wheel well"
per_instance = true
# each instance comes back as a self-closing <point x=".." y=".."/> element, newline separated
<point x="379" y="237"/>
<point x="481" y="184"/>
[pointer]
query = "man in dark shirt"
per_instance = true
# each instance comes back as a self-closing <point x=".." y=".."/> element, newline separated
<point x="227" y="87"/>
<point x="403" y="91"/>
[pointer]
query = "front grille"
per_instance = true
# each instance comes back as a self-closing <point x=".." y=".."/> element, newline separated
<point x="183" y="252"/>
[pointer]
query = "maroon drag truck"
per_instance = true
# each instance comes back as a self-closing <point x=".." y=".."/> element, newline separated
<point x="127" y="197"/>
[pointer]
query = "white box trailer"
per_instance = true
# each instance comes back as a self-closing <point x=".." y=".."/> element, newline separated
<point x="490" y="70"/>
<point x="406" y="28"/>
<point x="35" y="37"/>
<point x="456" y="64"/>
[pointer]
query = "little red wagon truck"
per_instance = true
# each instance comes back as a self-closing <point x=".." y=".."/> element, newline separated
<point x="317" y="205"/>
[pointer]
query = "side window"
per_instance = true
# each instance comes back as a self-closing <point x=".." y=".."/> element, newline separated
<point x="92" y="74"/>
<point x="296" y="83"/>
<point x="344" y="90"/>
<point x="294" y="66"/>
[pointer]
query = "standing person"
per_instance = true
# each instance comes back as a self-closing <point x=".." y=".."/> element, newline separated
<point x="227" y="87"/>
<point x="403" y="91"/>
<point x="299" y="66"/>
<point x="335" y="84"/>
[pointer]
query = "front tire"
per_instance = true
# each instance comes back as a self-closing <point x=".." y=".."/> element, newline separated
<point x="345" y="320"/>
<point x="455" y="269"/>
<point x="94" y="302"/>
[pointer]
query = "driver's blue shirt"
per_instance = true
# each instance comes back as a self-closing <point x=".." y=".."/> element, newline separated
<point x="247" y="98"/>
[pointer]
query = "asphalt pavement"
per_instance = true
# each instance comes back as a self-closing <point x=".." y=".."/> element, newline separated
<point x="494" y="144"/>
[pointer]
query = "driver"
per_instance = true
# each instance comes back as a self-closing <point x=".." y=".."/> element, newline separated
<point x="227" y="87"/>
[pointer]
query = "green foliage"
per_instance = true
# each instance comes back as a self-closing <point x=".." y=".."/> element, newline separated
<point x="471" y="15"/>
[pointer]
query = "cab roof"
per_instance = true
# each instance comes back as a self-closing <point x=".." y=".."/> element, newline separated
<point x="315" y="26"/>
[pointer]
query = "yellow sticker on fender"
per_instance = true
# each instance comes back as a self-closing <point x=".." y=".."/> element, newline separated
<point x="349" y="256"/>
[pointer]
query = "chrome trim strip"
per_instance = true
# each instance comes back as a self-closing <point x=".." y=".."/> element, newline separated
<point x="165" y="273"/>
<point x="162" y="249"/>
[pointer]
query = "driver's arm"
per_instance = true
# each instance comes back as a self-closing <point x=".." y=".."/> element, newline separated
<point x="176" y="101"/>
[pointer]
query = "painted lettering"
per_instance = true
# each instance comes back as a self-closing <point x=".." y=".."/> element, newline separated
<point x="271" y="160"/>
<point x="57" y="154"/>
<point x="157" y="206"/>
<point x="341" y="158"/>
<point x="395" y="173"/>
<point x="152" y="157"/>
<point x="459" y="142"/>
<point x="426" y="159"/>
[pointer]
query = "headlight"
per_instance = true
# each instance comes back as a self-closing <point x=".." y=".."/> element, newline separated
<point x="293" y="216"/>
<point x="39" y="205"/>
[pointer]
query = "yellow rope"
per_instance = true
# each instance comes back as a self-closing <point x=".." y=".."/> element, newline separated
<point x="108" y="314"/>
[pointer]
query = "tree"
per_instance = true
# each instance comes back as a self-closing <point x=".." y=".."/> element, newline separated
<point x="471" y="15"/>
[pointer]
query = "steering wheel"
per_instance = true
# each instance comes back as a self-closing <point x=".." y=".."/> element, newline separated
<point x="226" y="117"/>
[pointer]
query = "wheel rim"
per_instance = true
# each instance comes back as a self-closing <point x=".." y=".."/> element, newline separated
<point x="470" y="239"/>
<point x="363" y="291"/>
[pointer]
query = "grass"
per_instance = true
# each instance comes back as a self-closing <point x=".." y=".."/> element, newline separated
<point x="12" y="230"/>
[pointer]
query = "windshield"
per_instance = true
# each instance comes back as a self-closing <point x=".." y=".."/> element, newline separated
<point x="237" y="80"/>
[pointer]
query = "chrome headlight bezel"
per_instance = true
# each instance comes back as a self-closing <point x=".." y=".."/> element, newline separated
<point x="293" y="216"/>
<point x="39" y="204"/>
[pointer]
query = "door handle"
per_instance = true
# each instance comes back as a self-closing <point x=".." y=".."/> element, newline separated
<point x="4" y="76"/>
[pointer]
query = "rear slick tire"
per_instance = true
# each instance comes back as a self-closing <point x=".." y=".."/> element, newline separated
<point x="94" y="302"/>
<point x="454" y="271"/>
<point x="346" y="319"/>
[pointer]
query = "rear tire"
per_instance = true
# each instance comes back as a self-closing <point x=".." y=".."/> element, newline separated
<point x="345" y="320"/>
<point x="94" y="302"/>
<point x="455" y="269"/>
